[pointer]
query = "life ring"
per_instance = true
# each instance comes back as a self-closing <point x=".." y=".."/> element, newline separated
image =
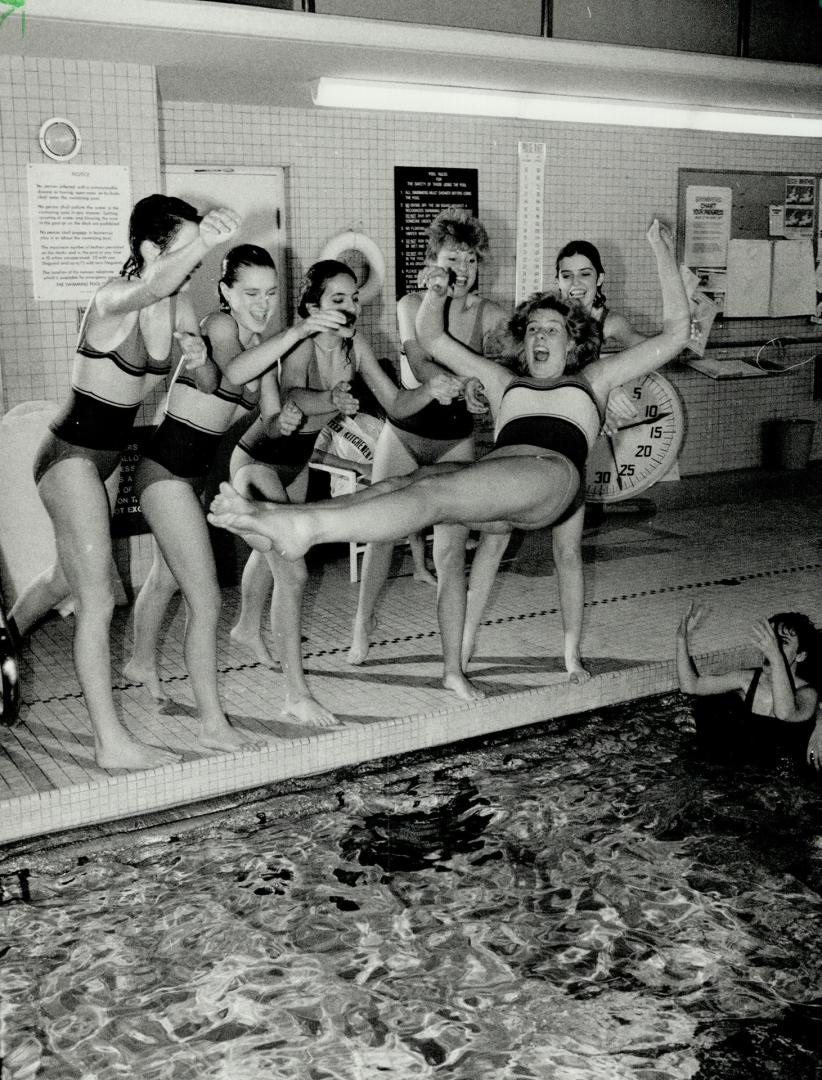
<point x="357" y="241"/>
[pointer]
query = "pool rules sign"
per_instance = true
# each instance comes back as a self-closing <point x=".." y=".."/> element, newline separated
<point x="79" y="228"/>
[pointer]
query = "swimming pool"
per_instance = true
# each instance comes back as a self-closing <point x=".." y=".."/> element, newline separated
<point x="587" y="899"/>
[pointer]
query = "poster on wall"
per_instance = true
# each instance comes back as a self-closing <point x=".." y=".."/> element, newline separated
<point x="419" y="195"/>
<point x="127" y="515"/>
<point x="707" y="225"/>
<point x="79" y="227"/>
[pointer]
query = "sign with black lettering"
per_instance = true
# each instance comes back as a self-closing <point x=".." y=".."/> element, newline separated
<point x="127" y="517"/>
<point x="419" y="195"/>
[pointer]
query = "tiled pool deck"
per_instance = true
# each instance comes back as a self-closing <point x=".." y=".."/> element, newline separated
<point x="746" y="545"/>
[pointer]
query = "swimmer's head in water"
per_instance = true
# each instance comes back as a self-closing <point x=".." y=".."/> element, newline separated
<point x="580" y="274"/>
<point x="582" y="336"/>
<point x="249" y="286"/>
<point x="801" y="641"/>
<point x="156" y="220"/>
<point x="331" y="285"/>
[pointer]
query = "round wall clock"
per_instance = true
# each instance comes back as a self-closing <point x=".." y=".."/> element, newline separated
<point x="59" y="139"/>
<point x="621" y="466"/>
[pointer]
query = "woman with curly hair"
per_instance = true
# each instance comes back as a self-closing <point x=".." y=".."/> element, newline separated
<point x="458" y="243"/>
<point x="545" y="421"/>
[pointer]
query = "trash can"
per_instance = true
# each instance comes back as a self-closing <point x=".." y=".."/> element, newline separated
<point x="788" y="443"/>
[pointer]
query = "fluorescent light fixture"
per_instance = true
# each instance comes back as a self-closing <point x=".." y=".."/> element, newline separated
<point x="468" y="101"/>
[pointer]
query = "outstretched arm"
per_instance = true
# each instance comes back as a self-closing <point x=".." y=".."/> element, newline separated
<point x="167" y="272"/>
<point x="446" y="350"/>
<point x="635" y="362"/>
<point x="398" y="401"/>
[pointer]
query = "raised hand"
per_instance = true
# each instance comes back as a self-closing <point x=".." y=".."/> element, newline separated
<point x="218" y="226"/>
<point x="343" y="400"/>
<point x="436" y="279"/>
<point x="319" y="321"/>
<point x="289" y="418"/>
<point x="764" y="637"/>
<point x="693" y="616"/>
<point x="193" y="351"/>
<point x="659" y="236"/>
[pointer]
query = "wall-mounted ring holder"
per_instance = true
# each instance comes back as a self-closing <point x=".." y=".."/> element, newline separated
<point x="59" y="139"/>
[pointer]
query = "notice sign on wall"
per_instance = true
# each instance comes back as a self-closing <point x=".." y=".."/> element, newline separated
<point x="79" y="227"/>
<point x="419" y="195"/>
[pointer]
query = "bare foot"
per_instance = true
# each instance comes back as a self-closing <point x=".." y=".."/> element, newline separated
<point x="424" y="576"/>
<point x="361" y="641"/>
<point x="255" y="645"/>
<point x="147" y="677"/>
<point x="259" y="543"/>
<point x="126" y="752"/>
<point x="576" y="672"/>
<point x="280" y="527"/>
<point x="218" y="734"/>
<point x="307" y="710"/>
<point x="463" y="687"/>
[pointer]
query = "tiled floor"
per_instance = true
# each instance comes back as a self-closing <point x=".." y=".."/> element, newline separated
<point x="747" y="544"/>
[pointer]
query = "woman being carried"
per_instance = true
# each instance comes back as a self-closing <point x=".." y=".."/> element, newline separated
<point x="316" y="376"/>
<point x="545" y="424"/>
<point x="124" y="350"/>
<point x="457" y="242"/>
<point x="203" y="400"/>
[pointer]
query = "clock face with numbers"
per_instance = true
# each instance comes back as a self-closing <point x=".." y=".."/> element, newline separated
<point x="621" y="466"/>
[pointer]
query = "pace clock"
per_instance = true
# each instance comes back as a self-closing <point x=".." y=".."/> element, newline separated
<point x="621" y="466"/>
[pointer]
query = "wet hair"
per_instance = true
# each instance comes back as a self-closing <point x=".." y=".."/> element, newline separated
<point x="808" y="641"/>
<point x="588" y="251"/>
<point x="156" y="218"/>
<point x="234" y="261"/>
<point x="316" y="278"/>
<point x="585" y="332"/>
<point x="456" y="227"/>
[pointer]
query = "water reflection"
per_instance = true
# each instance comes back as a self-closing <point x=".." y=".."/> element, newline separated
<point x="590" y="900"/>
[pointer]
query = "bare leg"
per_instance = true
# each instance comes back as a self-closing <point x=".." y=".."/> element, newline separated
<point x="255" y="593"/>
<point x="175" y="514"/>
<point x="47" y="591"/>
<point x="77" y="504"/>
<point x="149" y="609"/>
<point x="567" y="549"/>
<point x="286" y="624"/>
<point x="449" y="559"/>
<point x="375" y="565"/>
<point x="500" y="492"/>
<point x="416" y="541"/>
<point x="484" y="569"/>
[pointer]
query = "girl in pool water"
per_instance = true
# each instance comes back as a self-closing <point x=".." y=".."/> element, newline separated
<point x="316" y="377"/>
<point x="768" y="708"/>
<point x="545" y="424"/>
<point x="199" y="408"/>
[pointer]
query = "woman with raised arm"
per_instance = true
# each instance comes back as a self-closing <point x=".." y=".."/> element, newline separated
<point x="203" y="401"/>
<point x="764" y="709"/>
<point x="546" y="421"/>
<point x="124" y="350"/>
<point x="317" y="377"/>
<point x="458" y="243"/>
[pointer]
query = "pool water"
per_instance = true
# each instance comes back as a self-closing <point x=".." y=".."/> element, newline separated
<point x="586" y="899"/>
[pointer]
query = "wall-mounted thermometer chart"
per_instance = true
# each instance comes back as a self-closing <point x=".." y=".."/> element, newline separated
<point x="530" y="208"/>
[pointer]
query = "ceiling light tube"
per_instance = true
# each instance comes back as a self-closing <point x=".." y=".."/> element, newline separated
<point x="468" y="101"/>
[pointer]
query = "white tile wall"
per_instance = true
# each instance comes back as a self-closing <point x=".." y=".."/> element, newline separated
<point x="602" y="184"/>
